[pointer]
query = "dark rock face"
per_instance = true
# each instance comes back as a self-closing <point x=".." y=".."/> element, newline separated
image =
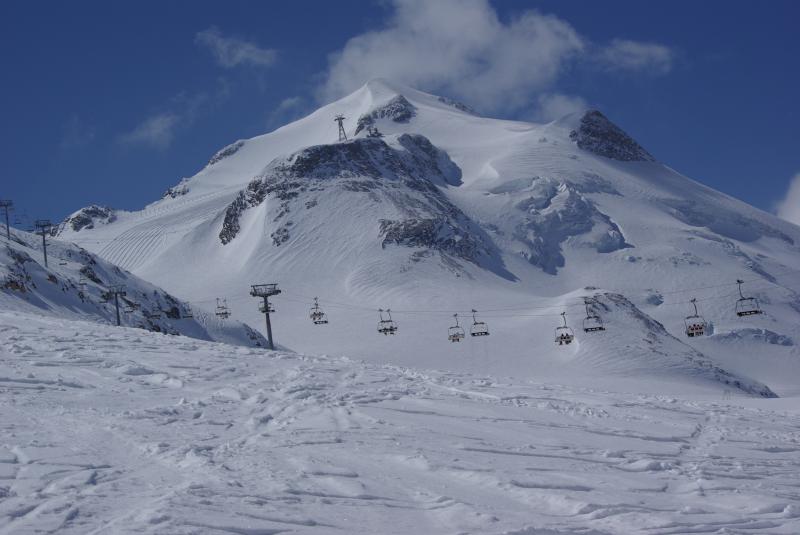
<point x="253" y="195"/>
<point x="439" y="234"/>
<point x="457" y="105"/>
<point x="557" y="211"/>
<point x="599" y="135"/>
<point x="401" y="175"/>
<point x="399" y="110"/>
<point x="177" y="191"/>
<point x="89" y="216"/>
<point x="230" y="150"/>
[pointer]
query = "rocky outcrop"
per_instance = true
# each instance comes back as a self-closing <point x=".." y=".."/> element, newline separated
<point x="223" y="153"/>
<point x="600" y="136"/>
<point x="89" y="217"/>
<point x="398" y="109"/>
<point x="401" y="175"/>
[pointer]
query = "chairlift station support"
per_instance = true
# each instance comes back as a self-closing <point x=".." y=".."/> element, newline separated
<point x="265" y="291"/>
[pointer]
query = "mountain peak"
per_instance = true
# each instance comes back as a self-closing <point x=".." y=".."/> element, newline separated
<point x="594" y="132"/>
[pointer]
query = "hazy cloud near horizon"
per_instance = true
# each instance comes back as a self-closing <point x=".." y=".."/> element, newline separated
<point x="462" y="48"/>
<point x="789" y="207"/>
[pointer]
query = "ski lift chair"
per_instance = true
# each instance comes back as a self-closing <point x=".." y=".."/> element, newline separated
<point x="386" y="326"/>
<point x="695" y="324"/>
<point x="456" y="332"/>
<point x="746" y="306"/>
<point x="270" y="308"/>
<point x="478" y="328"/>
<point x="564" y="334"/>
<point x="593" y="322"/>
<point x="317" y="315"/>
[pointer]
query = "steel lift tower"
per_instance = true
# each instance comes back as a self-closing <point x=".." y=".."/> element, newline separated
<point x="265" y="291"/>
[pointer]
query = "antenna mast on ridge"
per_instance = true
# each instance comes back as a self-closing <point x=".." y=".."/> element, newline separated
<point x="340" y="119"/>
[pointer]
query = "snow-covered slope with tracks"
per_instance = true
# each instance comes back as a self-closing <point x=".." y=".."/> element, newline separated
<point x="118" y="430"/>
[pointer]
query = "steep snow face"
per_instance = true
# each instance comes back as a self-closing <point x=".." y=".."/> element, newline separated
<point x="77" y="285"/>
<point x="449" y="211"/>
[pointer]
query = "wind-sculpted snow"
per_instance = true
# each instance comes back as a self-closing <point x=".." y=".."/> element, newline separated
<point x="555" y="212"/>
<point x="722" y="221"/>
<point x="88" y="217"/>
<point x="662" y="345"/>
<point x="599" y="135"/>
<point x="401" y="175"/>
<point x="398" y="109"/>
<point x="120" y="431"/>
<point x="76" y="285"/>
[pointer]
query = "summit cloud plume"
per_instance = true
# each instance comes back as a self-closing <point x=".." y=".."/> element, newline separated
<point x="461" y="47"/>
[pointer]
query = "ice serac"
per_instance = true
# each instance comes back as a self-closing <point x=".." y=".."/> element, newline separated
<point x="599" y="135"/>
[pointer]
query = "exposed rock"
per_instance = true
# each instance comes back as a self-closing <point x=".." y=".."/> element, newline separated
<point x="457" y="105"/>
<point x="406" y="172"/>
<point x="223" y="153"/>
<point x="88" y="217"/>
<point x="182" y="188"/>
<point x="399" y="110"/>
<point x="599" y="135"/>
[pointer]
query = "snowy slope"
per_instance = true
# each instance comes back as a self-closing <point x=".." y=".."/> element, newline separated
<point x="76" y="283"/>
<point x="450" y="211"/>
<point x="117" y="430"/>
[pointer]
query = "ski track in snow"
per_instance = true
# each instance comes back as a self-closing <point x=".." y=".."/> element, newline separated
<point x="109" y="430"/>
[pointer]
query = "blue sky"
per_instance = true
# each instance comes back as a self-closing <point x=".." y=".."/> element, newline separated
<point x="113" y="102"/>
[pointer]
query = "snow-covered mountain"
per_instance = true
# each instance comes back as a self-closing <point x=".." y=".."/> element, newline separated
<point x="76" y="284"/>
<point x="430" y="209"/>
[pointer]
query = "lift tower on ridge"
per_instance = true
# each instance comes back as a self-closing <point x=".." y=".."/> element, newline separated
<point x="340" y="119"/>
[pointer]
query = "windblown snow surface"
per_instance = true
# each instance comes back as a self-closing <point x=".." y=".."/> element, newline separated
<point x="119" y="430"/>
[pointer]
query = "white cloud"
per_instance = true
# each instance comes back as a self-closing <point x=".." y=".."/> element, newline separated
<point x="461" y="48"/>
<point x="553" y="106"/>
<point x="789" y="207"/>
<point x="156" y="132"/>
<point x="231" y="51"/>
<point x="624" y="55"/>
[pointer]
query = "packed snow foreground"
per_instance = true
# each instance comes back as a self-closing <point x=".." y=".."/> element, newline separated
<point x="120" y="430"/>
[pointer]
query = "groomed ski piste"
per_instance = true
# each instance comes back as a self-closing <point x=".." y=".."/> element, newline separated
<point x="119" y="430"/>
<point x="633" y="429"/>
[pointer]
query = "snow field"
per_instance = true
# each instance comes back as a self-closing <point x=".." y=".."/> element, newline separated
<point x="118" y="430"/>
